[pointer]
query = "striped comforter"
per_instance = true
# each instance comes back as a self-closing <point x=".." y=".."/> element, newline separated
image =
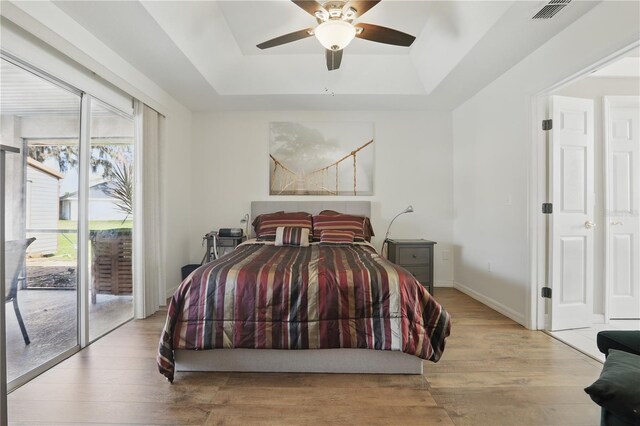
<point x="266" y="297"/>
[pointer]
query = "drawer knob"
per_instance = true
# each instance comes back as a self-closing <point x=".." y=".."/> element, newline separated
<point x="414" y="256"/>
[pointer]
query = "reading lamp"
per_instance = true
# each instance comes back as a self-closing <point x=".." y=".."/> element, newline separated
<point x="409" y="209"/>
<point x="245" y="220"/>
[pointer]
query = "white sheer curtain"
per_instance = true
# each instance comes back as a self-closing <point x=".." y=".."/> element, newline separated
<point x="146" y="244"/>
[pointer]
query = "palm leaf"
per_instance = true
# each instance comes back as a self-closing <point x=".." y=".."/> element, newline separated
<point x="121" y="188"/>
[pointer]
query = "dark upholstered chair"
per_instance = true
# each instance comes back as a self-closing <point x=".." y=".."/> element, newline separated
<point x="15" y="254"/>
<point x="617" y="390"/>
<point x="622" y="340"/>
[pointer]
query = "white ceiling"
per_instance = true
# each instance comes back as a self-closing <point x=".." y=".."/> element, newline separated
<point x="203" y="52"/>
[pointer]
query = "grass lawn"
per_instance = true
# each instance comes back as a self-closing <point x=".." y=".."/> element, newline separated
<point x="67" y="243"/>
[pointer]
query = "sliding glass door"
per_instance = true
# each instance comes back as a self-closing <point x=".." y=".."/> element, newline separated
<point x="42" y="119"/>
<point x="68" y="215"/>
<point x="110" y="219"/>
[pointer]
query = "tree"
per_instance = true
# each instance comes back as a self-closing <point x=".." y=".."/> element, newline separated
<point x="103" y="157"/>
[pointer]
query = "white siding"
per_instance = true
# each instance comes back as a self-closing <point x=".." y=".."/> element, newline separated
<point x="99" y="209"/>
<point x="43" y="209"/>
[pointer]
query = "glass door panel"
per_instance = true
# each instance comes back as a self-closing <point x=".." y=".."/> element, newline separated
<point x="43" y="120"/>
<point x="110" y="219"/>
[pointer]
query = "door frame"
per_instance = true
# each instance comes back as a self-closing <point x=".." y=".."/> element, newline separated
<point x="538" y="187"/>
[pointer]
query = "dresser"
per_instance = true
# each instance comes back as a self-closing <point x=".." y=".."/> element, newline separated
<point x="416" y="256"/>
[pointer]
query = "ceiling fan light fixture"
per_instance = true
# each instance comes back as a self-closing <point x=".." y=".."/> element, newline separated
<point x="335" y="12"/>
<point x="335" y="34"/>
<point x="321" y="15"/>
<point x="349" y="14"/>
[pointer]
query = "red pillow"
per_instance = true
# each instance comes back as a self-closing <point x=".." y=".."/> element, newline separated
<point x="368" y="229"/>
<point x="339" y="222"/>
<point x="266" y="225"/>
<point x="332" y="236"/>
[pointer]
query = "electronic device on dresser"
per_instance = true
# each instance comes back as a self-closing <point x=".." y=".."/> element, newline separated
<point x="416" y="256"/>
<point x="225" y="239"/>
<point x="230" y="232"/>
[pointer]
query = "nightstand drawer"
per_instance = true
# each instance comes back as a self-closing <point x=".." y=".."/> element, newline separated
<point x="420" y="273"/>
<point x="414" y="255"/>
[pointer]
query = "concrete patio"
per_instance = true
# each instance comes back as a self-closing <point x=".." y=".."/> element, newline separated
<point x="51" y="320"/>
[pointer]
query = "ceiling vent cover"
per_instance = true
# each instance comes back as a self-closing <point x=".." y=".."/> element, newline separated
<point x="550" y="9"/>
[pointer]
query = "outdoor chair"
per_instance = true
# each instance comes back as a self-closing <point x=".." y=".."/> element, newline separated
<point x="15" y="253"/>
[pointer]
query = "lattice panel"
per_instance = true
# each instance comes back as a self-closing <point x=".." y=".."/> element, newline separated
<point x="112" y="253"/>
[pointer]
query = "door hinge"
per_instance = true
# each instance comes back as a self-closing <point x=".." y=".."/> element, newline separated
<point x="546" y="292"/>
<point x="547" y="208"/>
<point x="547" y="124"/>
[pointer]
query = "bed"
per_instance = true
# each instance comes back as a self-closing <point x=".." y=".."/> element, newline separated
<point x="323" y="308"/>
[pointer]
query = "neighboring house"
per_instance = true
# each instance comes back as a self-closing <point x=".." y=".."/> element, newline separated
<point x="43" y="190"/>
<point x="101" y="205"/>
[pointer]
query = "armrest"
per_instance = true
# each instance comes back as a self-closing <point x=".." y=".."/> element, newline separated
<point x="622" y="340"/>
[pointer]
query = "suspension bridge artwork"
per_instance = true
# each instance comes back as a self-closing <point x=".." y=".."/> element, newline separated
<point x="321" y="158"/>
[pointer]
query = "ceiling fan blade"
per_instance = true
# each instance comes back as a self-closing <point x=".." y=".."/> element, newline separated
<point x="361" y="6"/>
<point x="334" y="58"/>
<point x="310" y="6"/>
<point x="385" y="35"/>
<point x="287" y="38"/>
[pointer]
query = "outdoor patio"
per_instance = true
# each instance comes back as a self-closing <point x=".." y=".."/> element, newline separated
<point x="51" y="320"/>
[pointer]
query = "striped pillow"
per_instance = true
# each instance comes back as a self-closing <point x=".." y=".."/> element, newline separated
<point x="331" y="236"/>
<point x="287" y="236"/>
<point x="266" y="225"/>
<point x="339" y="222"/>
<point x="368" y="228"/>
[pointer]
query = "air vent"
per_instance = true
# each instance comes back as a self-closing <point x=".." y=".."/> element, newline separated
<point x="550" y="9"/>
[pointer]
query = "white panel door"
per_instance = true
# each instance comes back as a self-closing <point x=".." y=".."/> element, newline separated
<point x="571" y="268"/>
<point x="623" y="202"/>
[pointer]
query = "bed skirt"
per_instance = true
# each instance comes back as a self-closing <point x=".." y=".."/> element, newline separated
<point x="353" y="361"/>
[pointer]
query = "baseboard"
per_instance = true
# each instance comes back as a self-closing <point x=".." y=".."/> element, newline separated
<point x="496" y="306"/>
<point x="446" y="283"/>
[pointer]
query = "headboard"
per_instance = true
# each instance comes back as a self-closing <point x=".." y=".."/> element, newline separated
<point x="360" y="208"/>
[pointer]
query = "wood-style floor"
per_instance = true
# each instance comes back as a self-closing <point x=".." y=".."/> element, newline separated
<point x="493" y="372"/>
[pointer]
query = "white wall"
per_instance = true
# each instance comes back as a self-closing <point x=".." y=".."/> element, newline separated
<point x="492" y="157"/>
<point x="230" y="168"/>
<point x="596" y="88"/>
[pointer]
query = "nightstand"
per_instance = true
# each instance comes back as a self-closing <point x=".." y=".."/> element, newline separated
<point x="223" y="243"/>
<point x="416" y="256"/>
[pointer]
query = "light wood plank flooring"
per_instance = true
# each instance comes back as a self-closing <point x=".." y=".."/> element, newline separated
<point x="493" y="372"/>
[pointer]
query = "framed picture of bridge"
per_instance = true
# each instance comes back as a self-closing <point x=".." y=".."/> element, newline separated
<point x="321" y="158"/>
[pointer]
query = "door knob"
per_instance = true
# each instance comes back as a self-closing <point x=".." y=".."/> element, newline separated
<point x="589" y="224"/>
<point x="617" y="222"/>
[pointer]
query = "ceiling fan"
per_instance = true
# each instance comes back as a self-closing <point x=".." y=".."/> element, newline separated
<point x="336" y="28"/>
